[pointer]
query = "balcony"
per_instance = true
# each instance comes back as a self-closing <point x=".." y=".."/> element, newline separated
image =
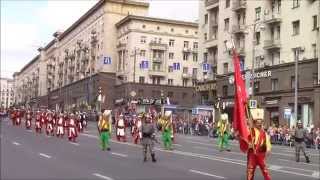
<point x="121" y="45"/>
<point x="158" y="60"/>
<point x="211" y="3"/>
<point x="239" y="5"/>
<point x="240" y="28"/>
<point x="186" y="49"/>
<point x="156" y="72"/>
<point x="158" y="45"/>
<point x="241" y="51"/>
<point x="212" y="42"/>
<point x="272" y="44"/>
<point x="186" y="76"/>
<point x="195" y="50"/>
<point x="272" y="18"/>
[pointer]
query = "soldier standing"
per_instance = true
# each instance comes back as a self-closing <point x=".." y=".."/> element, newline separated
<point x="299" y="136"/>
<point x="148" y="137"/>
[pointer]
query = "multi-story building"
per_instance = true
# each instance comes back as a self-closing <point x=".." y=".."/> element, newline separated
<point x="266" y="34"/>
<point x="6" y="92"/>
<point x="109" y="47"/>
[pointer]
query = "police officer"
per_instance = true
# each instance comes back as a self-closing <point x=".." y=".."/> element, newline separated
<point x="148" y="137"/>
<point x="299" y="136"/>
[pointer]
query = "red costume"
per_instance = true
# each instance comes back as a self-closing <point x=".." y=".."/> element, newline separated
<point x="43" y="119"/>
<point x="259" y="145"/>
<point x="13" y="116"/>
<point x="79" y="123"/>
<point x="72" y="129"/>
<point x="18" y="117"/>
<point x="60" y="126"/>
<point x="28" y="119"/>
<point x="38" y="124"/>
<point x="120" y="129"/>
<point x="49" y="127"/>
<point x="136" y="130"/>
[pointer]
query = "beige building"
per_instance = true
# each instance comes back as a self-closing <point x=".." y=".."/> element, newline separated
<point x="6" y="92"/>
<point x="157" y="51"/>
<point x="264" y="32"/>
<point x="99" y="50"/>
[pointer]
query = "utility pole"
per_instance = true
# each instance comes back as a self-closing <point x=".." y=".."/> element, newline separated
<point x="296" y="53"/>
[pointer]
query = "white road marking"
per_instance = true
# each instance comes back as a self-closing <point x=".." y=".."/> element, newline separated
<point x="179" y="145"/>
<point x="310" y="164"/>
<point x="102" y="176"/>
<point x="76" y="144"/>
<point x="89" y="135"/>
<point x="119" y="154"/>
<point x="45" y="155"/>
<point x="316" y="174"/>
<point x="29" y="130"/>
<point x="203" y="156"/>
<point x="275" y="167"/>
<point x="206" y="174"/>
<point x="16" y="143"/>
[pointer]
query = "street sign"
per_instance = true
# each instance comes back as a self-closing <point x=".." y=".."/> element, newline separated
<point x="107" y="60"/>
<point x="252" y="104"/>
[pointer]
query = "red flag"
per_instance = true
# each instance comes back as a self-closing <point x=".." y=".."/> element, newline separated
<point x="240" y="100"/>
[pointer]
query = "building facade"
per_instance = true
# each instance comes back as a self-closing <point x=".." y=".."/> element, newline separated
<point x="264" y="32"/>
<point x="6" y="92"/>
<point x="268" y="36"/>
<point x="107" y="48"/>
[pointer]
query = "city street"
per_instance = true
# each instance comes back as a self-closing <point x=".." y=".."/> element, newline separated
<point x="27" y="155"/>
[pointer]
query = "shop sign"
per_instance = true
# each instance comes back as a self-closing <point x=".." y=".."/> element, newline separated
<point x="206" y="87"/>
<point x="272" y="102"/>
<point x="252" y="104"/>
<point x="258" y="75"/>
<point x="118" y="101"/>
<point x="54" y="97"/>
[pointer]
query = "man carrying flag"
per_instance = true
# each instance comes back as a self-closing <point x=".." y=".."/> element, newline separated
<point x="253" y="141"/>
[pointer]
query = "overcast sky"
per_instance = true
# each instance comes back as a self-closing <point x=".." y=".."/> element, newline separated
<point x="29" y="24"/>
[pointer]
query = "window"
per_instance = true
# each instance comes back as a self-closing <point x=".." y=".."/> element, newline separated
<point x="143" y="53"/>
<point x="172" y="30"/>
<point x="171" y="55"/>
<point x="141" y="79"/>
<point x="187" y="31"/>
<point x="194" y="72"/>
<point x="155" y="80"/>
<point x="205" y="57"/>
<point x="257" y="38"/>
<point x="314" y="50"/>
<point x="140" y="92"/>
<point x="194" y="82"/>
<point x="170" y="94"/>
<point x="185" y="56"/>
<point x="315" y="22"/>
<point x="206" y="19"/>
<point x="143" y="39"/>
<point x="225" y="91"/>
<point x="195" y="45"/>
<point x="227" y="3"/>
<point x="296" y="27"/>
<point x="171" y="42"/>
<point x="296" y="3"/>
<point x="170" y="82"/>
<point x="225" y="68"/>
<point x="274" y="84"/>
<point x="186" y="44"/>
<point x="184" y="95"/>
<point x="195" y="57"/>
<point x="143" y="26"/>
<point x="258" y="13"/>
<point x="256" y="86"/>
<point x="158" y="28"/>
<point x="226" y="24"/>
<point x="185" y="82"/>
<point x="205" y="36"/>
<point x="185" y="70"/>
<point x="170" y="69"/>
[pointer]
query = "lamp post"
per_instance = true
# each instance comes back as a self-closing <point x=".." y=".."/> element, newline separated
<point x="162" y="102"/>
<point x="296" y="56"/>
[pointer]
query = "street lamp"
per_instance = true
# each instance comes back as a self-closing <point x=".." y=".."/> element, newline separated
<point x="256" y="26"/>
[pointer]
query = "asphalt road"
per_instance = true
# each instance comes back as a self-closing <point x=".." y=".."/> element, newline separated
<point x="27" y="155"/>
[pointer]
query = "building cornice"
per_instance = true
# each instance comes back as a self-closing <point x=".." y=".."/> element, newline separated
<point x="29" y="64"/>
<point x="157" y="20"/>
<point x="157" y="33"/>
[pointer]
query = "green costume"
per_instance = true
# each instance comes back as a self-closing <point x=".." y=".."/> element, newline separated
<point x="166" y="131"/>
<point x="104" y="126"/>
<point x="223" y="133"/>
